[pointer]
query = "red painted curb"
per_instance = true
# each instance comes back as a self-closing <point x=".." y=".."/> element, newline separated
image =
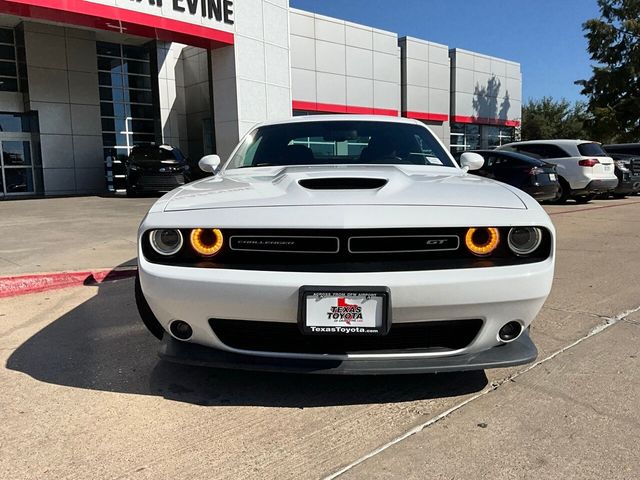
<point x="27" y="284"/>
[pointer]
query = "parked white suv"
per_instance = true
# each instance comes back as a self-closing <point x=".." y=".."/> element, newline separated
<point x="584" y="168"/>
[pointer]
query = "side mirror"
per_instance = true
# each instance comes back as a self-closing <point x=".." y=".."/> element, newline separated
<point x="471" y="161"/>
<point x="209" y="163"/>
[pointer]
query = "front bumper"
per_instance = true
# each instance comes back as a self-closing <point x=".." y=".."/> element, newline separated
<point x="495" y="295"/>
<point x="519" y="352"/>
<point x="628" y="184"/>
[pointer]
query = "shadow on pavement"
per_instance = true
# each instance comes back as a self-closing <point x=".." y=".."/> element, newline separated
<point x="103" y="345"/>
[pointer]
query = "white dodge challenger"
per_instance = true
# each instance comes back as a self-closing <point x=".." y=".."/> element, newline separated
<point x="344" y="244"/>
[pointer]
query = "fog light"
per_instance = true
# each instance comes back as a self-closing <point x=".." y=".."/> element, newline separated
<point x="206" y="241"/>
<point x="482" y="241"/>
<point x="510" y="331"/>
<point x="524" y="240"/>
<point x="181" y="330"/>
<point x="166" y="242"/>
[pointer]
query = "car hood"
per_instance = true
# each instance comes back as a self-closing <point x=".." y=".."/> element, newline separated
<point x="343" y="185"/>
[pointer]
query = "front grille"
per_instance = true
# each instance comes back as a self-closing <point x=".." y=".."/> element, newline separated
<point x="635" y="166"/>
<point x="286" y="244"/>
<point x="440" y="336"/>
<point x="347" y="250"/>
<point x="404" y="244"/>
<point x="161" y="181"/>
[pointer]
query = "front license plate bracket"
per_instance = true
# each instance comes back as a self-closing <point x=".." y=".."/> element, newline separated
<point x="344" y="311"/>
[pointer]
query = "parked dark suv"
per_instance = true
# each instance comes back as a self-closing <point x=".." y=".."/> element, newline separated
<point x="628" y="173"/>
<point x="157" y="168"/>
<point x="539" y="179"/>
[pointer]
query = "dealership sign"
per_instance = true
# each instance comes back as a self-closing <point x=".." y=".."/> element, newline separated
<point x="203" y="23"/>
<point x="208" y="13"/>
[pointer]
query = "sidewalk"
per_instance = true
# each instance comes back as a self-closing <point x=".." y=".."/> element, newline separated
<point x="575" y="416"/>
<point x="69" y="234"/>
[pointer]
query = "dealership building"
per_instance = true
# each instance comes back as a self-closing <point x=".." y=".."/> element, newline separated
<point x="83" y="81"/>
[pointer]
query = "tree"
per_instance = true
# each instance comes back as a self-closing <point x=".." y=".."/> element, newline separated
<point x="614" y="87"/>
<point x="548" y="119"/>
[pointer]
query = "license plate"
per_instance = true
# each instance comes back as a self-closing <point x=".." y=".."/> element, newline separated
<point x="607" y="168"/>
<point x="553" y="177"/>
<point x="358" y="311"/>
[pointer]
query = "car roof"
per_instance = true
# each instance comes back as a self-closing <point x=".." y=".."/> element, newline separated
<point x="615" y="145"/>
<point x="342" y="118"/>
<point x="515" y="155"/>
<point x="560" y="142"/>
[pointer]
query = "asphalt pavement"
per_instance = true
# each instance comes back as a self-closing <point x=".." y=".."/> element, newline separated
<point x="83" y="394"/>
<point x="69" y="233"/>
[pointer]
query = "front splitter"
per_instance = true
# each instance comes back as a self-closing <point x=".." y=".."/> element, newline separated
<point x="519" y="352"/>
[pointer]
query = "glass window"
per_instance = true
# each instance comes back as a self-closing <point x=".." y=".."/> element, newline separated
<point x="137" y="81"/>
<point x="493" y="136"/>
<point x="142" y="111"/>
<point x="140" y="96"/>
<point x="340" y="142"/>
<point x="541" y="150"/>
<point x="591" y="150"/>
<point x="109" y="49"/>
<point x="18" y="180"/>
<point x="112" y="65"/>
<point x="8" y="69"/>
<point x="16" y="153"/>
<point x="507" y="135"/>
<point x="8" y="84"/>
<point x="7" y="52"/>
<point x="135" y="53"/>
<point x="8" y="65"/>
<point x="139" y="68"/>
<point x="6" y="36"/>
<point x="127" y="104"/>
<point x="14" y="122"/>
<point x="154" y="153"/>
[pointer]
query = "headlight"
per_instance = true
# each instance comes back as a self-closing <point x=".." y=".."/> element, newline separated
<point x="166" y="242"/>
<point x="524" y="240"/>
<point x="621" y="165"/>
<point x="207" y="241"/>
<point x="482" y="241"/>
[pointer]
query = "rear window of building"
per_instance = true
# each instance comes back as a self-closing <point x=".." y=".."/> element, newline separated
<point x="591" y="150"/>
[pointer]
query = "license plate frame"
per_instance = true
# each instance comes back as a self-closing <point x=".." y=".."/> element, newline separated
<point x="339" y="328"/>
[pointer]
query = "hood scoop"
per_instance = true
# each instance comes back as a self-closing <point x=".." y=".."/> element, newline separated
<point x="343" y="183"/>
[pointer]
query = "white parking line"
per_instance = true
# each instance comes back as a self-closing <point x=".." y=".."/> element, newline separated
<point x="609" y="321"/>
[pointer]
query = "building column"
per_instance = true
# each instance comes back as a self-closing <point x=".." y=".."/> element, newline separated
<point x="62" y="74"/>
<point x="252" y="78"/>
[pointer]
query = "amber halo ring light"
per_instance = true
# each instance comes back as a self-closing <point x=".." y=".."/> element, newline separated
<point x="207" y="242"/>
<point x="482" y="241"/>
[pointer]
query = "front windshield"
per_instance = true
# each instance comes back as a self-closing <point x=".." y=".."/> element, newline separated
<point x="152" y="153"/>
<point x="340" y="143"/>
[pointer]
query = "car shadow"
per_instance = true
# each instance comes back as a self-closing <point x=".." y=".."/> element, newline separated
<point x="102" y="345"/>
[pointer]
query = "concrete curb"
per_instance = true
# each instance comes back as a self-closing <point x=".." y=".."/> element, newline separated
<point x="26" y="284"/>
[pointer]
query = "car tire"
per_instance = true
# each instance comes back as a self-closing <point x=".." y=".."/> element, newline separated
<point x="131" y="192"/>
<point x="584" y="198"/>
<point x="148" y="318"/>
<point x="563" y="192"/>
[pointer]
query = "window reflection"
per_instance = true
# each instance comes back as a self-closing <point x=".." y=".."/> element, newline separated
<point x="127" y="105"/>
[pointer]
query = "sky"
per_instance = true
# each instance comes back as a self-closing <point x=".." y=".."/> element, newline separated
<point x="545" y="36"/>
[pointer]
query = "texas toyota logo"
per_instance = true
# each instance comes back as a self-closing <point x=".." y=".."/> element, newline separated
<point x="345" y="312"/>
